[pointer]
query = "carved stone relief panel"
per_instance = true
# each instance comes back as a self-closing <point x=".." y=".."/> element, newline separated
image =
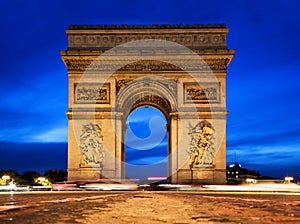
<point x="91" y="146"/>
<point x="91" y="93"/>
<point x="202" y="92"/>
<point x="201" y="150"/>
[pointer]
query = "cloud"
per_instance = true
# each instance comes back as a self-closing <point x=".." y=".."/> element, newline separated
<point x="154" y="155"/>
<point x="146" y="129"/>
<point x="272" y="136"/>
<point x="155" y="139"/>
<point x="273" y="160"/>
<point x="59" y="134"/>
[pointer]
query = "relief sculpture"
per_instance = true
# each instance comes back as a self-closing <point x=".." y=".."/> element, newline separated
<point x="201" y="149"/>
<point x="91" y="145"/>
<point x="91" y="93"/>
<point x="203" y="93"/>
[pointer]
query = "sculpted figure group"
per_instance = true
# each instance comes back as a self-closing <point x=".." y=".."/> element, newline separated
<point x="201" y="147"/>
<point x="91" y="145"/>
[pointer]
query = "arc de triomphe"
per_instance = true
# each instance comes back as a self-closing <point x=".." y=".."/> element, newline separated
<point x="178" y="69"/>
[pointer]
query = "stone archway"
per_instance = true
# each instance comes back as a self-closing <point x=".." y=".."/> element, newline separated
<point x="181" y="70"/>
<point x="146" y="92"/>
<point x="146" y="145"/>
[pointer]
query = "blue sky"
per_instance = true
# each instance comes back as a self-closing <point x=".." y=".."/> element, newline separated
<point x="146" y="143"/>
<point x="263" y="82"/>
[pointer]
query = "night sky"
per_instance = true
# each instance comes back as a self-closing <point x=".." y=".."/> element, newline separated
<point x="263" y="81"/>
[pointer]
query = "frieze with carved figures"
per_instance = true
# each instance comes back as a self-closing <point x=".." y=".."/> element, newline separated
<point x="201" y="92"/>
<point x="91" y="93"/>
<point x="89" y="65"/>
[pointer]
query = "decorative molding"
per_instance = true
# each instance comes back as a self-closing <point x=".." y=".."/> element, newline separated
<point x="215" y="40"/>
<point x="149" y="99"/>
<point x="91" y="93"/>
<point x="121" y="83"/>
<point x="92" y="65"/>
<point x="197" y="36"/>
<point x="91" y="146"/>
<point x="171" y="85"/>
<point x="153" y="26"/>
<point x="202" y="92"/>
<point x="146" y="98"/>
<point x="201" y="151"/>
<point x="218" y="64"/>
<point x="149" y="65"/>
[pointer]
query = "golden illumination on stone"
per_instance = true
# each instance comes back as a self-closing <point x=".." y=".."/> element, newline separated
<point x="180" y="70"/>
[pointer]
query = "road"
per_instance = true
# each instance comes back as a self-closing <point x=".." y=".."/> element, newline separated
<point x="149" y="207"/>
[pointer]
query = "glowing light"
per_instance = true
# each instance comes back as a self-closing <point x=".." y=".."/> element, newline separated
<point x="41" y="179"/>
<point x="156" y="178"/>
<point x="288" y="179"/>
<point x="5" y="177"/>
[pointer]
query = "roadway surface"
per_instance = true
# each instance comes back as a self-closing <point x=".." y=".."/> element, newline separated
<point x="149" y="207"/>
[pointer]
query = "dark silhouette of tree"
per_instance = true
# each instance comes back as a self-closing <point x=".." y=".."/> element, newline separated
<point x="15" y="177"/>
<point x="29" y="176"/>
<point x="56" y="175"/>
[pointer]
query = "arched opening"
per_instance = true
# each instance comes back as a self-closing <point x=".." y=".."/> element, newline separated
<point x="146" y="144"/>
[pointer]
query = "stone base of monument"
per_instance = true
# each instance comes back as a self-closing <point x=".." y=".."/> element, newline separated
<point x="201" y="175"/>
<point x="88" y="173"/>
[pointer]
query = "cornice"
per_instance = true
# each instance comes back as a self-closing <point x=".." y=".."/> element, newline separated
<point x="139" y="26"/>
<point x="92" y="65"/>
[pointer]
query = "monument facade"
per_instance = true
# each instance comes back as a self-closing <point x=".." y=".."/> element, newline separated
<point x="178" y="69"/>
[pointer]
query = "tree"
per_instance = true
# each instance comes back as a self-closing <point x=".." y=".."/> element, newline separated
<point x="56" y="175"/>
<point x="14" y="176"/>
<point x="29" y="177"/>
